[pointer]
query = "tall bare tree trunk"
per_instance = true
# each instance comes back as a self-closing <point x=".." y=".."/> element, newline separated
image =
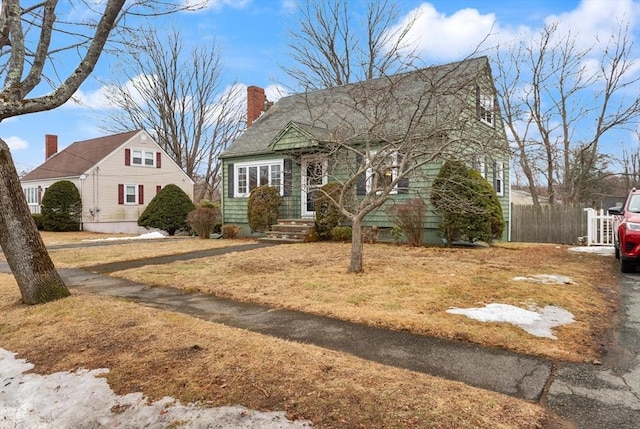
<point x="21" y="243"/>
<point x="355" y="265"/>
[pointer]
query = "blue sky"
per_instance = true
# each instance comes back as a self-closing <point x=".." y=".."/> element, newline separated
<point x="253" y="35"/>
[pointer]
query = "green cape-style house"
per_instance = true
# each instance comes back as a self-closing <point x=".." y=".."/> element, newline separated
<point x="306" y="140"/>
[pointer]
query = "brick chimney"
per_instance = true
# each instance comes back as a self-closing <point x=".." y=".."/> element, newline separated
<point x="50" y="145"/>
<point x="255" y="103"/>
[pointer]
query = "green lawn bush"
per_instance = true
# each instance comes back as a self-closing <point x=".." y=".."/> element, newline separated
<point x="467" y="203"/>
<point x="263" y="208"/>
<point x="341" y="233"/>
<point x="328" y="214"/>
<point x="61" y="207"/>
<point x="168" y="210"/>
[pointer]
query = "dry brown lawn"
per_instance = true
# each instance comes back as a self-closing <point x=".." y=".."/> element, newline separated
<point x="165" y="354"/>
<point x="410" y="289"/>
<point x="161" y="353"/>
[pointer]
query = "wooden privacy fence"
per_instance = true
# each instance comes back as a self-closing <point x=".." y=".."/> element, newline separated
<point x="550" y="224"/>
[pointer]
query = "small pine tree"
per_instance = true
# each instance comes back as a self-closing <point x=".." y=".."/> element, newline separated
<point x="168" y="210"/>
<point x="61" y="207"/>
<point x="263" y="208"/>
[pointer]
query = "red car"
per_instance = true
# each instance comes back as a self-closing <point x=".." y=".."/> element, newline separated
<point x="626" y="227"/>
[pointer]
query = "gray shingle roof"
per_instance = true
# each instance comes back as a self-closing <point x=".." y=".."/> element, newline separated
<point x="348" y="110"/>
<point x="79" y="157"/>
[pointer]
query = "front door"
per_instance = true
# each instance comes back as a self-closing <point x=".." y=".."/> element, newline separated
<point x="314" y="175"/>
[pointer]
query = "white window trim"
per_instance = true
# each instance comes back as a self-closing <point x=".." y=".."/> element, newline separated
<point x="487" y="109"/>
<point x="303" y="175"/>
<point x="143" y="152"/>
<point x="135" y="193"/>
<point x="482" y="165"/>
<point x="31" y="195"/>
<point x="258" y="164"/>
<point x="370" y="175"/>
<point x="499" y="178"/>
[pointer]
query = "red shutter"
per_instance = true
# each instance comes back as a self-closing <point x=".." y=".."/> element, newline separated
<point x="140" y="194"/>
<point x="127" y="157"/>
<point x="158" y="188"/>
<point x="120" y="194"/>
<point x="158" y="159"/>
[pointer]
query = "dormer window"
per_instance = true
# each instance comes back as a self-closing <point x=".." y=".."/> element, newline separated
<point x="486" y="107"/>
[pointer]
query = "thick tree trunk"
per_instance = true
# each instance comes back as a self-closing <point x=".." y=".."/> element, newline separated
<point x="21" y="243"/>
<point x="356" y="246"/>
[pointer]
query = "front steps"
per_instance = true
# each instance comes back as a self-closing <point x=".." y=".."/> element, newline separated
<point x="289" y="231"/>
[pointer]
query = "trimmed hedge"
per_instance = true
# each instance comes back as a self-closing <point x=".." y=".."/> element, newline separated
<point x="263" y="208"/>
<point x="168" y="210"/>
<point x="61" y="207"/>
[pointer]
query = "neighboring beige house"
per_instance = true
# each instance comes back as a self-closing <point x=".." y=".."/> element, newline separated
<point x="116" y="175"/>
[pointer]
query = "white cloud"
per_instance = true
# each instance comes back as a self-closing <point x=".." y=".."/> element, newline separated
<point x="96" y="99"/>
<point x="289" y="6"/>
<point x="16" y="143"/>
<point x="99" y="99"/>
<point x="441" y="37"/>
<point x="594" y="22"/>
<point x="275" y="92"/>
<point x="215" y="4"/>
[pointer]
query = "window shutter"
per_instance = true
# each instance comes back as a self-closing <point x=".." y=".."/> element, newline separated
<point x="287" y="177"/>
<point x="478" y="114"/>
<point x="230" y="180"/>
<point x="39" y="195"/>
<point x="158" y="188"/>
<point x="158" y="159"/>
<point x="403" y="183"/>
<point x="120" y="194"/>
<point x="127" y="157"/>
<point x="140" y="194"/>
<point x="361" y="181"/>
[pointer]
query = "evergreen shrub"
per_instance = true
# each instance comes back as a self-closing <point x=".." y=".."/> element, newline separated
<point x="61" y="207"/>
<point x="263" y="208"/>
<point x="168" y="210"/>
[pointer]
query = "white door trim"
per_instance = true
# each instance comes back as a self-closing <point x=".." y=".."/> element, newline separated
<point x="307" y="188"/>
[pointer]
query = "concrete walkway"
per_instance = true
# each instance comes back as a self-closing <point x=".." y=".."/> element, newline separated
<point x="589" y="396"/>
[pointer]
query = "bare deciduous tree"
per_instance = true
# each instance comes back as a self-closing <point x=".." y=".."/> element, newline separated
<point x="383" y="133"/>
<point x="182" y="99"/>
<point x="559" y="101"/>
<point x="333" y="46"/>
<point x="37" y="78"/>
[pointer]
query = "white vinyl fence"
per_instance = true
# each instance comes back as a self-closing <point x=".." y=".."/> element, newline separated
<point x="599" y="228"/>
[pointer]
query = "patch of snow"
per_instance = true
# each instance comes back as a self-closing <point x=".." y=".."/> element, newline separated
<point x="538" y="323"/>
<point x="546" y="279"/>
<point x="597" y="250"/>
<point x="66" y="400"/>
<point x="147" y="236"/>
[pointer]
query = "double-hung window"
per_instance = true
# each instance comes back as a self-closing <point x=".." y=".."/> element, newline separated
<point x="31" y="194"/>
<point x="142" y="157"/>
<point x="486" y="108"/>
<point x="131" y="194"/>
<point x="382" y="170"/>
<point x="251" y="175"/>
